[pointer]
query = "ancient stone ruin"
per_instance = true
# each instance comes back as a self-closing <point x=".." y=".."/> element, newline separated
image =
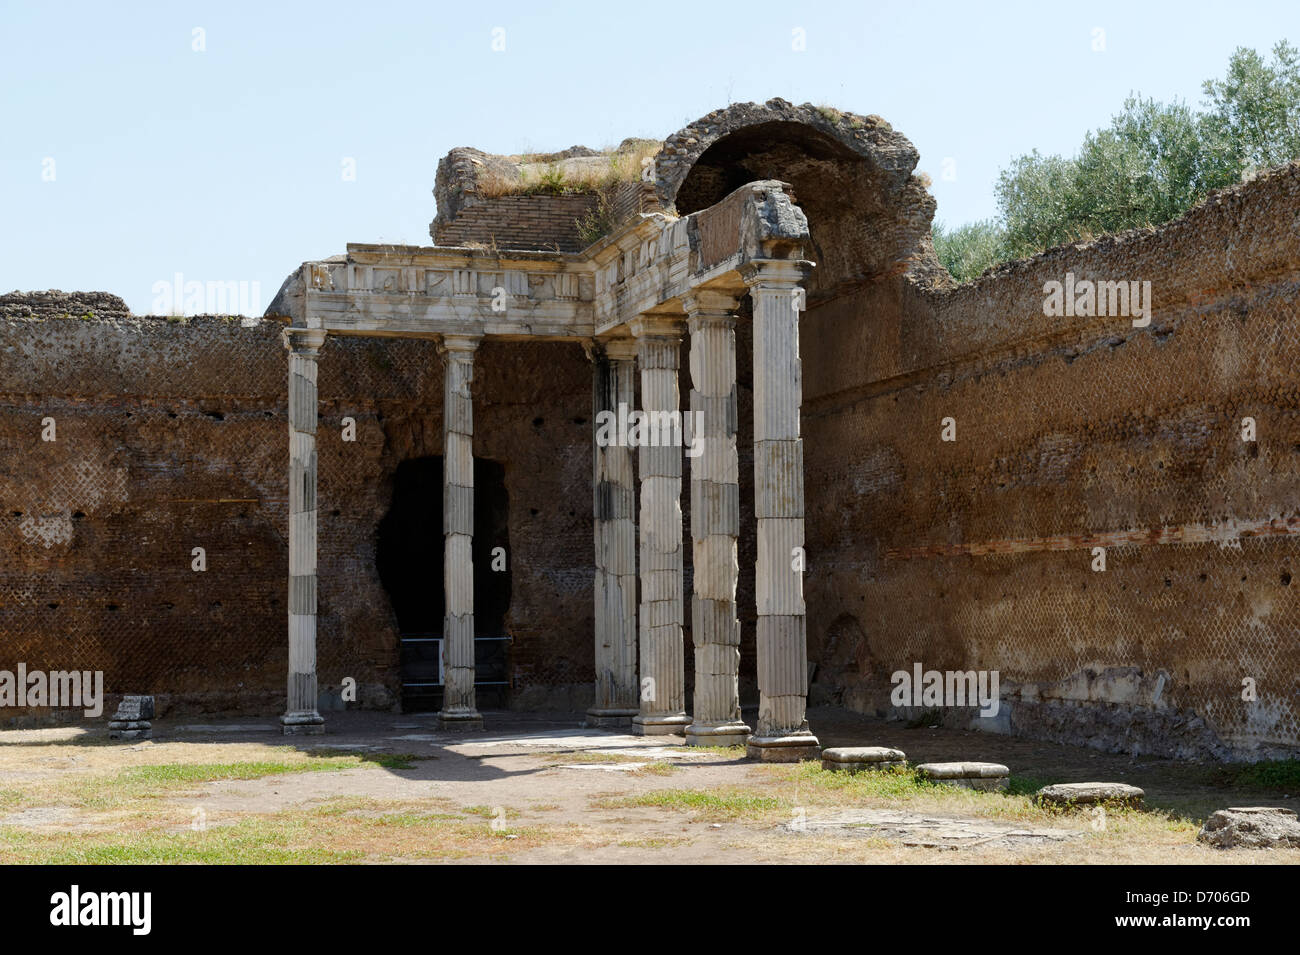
<point x="739" y="337"/>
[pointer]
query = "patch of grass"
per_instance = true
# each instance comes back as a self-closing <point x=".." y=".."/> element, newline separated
<point x="1282" y="775"/>
<point x="893" y="783"/>
<point x="168" y="774"/>
<point x="245" y="842"/>
<point x="724" y="803"/>
<point x="656" y="769"/>
<point x="591" y="758"/>
<point x="552" y="181"/>
<point x="490" y="812"/>
<point x="809" y="785"/>
<point x="339" y="832"/>
<point x="544" y="174"/>
<point x="1026" y="785"/>
<point x="735" y="752"/>
<point x="382" y="760"/>
<point x="662" y="842"/>
<point x="160" y="781"/>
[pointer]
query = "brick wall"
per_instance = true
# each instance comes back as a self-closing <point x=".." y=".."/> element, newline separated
<point x="535" y="222"/>
<point x="172" y="436"/>
<point x="1072" y="433"/>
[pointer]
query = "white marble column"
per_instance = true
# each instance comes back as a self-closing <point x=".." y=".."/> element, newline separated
<point x="662" y="690"/>
<point x="458" y="705"/>
<point x="614" y="511"/>
<point x="301" y="715"/>
<point x="715" y="521"/>
<point x="782" y="731"/>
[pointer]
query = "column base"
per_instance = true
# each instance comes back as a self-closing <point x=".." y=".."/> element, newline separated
<point x="461" y="721"/>
<point x="611" y="716"/>
<point x="731" y="733"/>
<point x="659" y="725"/>
<point x="790" y="748"/>
<point x="302" y="723"/>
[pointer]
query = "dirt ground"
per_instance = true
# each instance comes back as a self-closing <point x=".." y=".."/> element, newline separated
<point x="543" y="789"/>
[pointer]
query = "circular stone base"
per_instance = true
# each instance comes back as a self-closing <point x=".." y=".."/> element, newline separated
<point x="611" y="717"/>
<point x="659" y="725"/>
<point x="460" y="722"/>
<point x="302" y="724"/>
<point x="717" y="734"/>
<point x="784" y="749"/>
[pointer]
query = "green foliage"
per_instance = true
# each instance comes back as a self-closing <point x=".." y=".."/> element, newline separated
<point x="552" y="180"/>
<point x="1150" y="165"/>
<point x="969" y="249"/>
<point x="1254" y="112"/>
<point x="597" y="223"/>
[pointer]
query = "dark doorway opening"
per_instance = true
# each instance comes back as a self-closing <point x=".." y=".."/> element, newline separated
<point x="409" y="556"/>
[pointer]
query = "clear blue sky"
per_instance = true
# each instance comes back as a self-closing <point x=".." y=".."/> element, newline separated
<point x="225" y="164"/>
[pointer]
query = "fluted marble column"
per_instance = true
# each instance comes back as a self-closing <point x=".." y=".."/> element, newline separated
<point x="301" y="715"/>
<point x="458" y="705"/>
<point x="662" y="690"/>
<point x="782" y="731"/>
<point x="715" y="521"/>
<point x="614" y="510"/>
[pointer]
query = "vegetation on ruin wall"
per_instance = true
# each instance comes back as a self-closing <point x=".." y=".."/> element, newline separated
<point x="537" y="175"/>
<point x="551" y="175"/>
<point x="1153" y="163"/>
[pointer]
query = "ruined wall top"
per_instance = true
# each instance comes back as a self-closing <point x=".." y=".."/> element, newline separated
<point x="58" y="304"/>
<point x="868" y="136"/>
<point x="852" y="175"/>
<point x="869" y="215"/>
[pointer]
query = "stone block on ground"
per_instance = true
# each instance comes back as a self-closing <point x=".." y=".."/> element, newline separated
<point x="1092" y="794"/>
<point x="1251" y="827"/>
<point x="131" y="720"/>
<point x="853" y="759"/>
<point x="972" y="775"/>
<point x="134" y="708"/>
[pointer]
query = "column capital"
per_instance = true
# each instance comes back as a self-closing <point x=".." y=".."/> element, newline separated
<point x="458" y="347"/>
<point x="774" y="273"/>
<point x="306" y="342"/>
<point x="710" y="303"/>
<point x="662" y="327"/>
<point x="614" y="349"/>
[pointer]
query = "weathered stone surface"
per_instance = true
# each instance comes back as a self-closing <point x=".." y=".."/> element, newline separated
<point x="853" y="759"/>
<point x="960" y="770"/>
<point x="61" y="305"/>
<point x="927" y="832"/>
<point x="1089" y="794"/>
<point x="459" y="701"/>
<point x="869" y="159"/>
<point x="1251" y="827"/>
<point x="135" y="708"/>
<point x="616" y="615"/>
<point x="970" y="775"/>
<point x="661" y="650"/>
<point x="790" y="747"/>
<point x="131" y="719"/>
<point x="862" y="754"/>
<point x="128" y="733"/>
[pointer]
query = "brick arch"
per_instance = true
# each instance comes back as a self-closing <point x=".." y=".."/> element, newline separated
<point x="868" y="214"/>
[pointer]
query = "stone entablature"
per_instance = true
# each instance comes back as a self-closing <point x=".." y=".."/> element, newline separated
<point x="646" y="267"/>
